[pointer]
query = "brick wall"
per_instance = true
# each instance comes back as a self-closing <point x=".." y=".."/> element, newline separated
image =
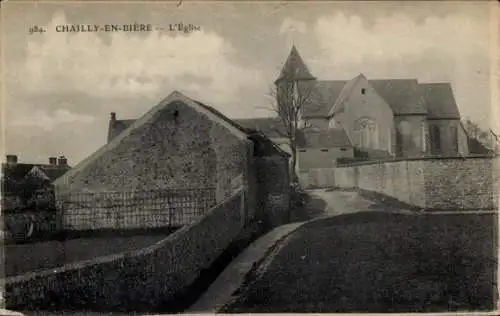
<point x="147" y="276"/>
<point x="439" y="183"/>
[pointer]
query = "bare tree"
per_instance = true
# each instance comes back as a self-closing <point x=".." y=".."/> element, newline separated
<point x="290" y="97"/>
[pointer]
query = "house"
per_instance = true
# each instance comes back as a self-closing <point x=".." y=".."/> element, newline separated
<point x="401" y="117"/>
<point x="180" y="145"/>
<point x="23" y="183"/>
<point x="321" y="148"/>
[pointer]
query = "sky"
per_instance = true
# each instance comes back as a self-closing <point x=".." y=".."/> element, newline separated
<point x="59" y="87"/>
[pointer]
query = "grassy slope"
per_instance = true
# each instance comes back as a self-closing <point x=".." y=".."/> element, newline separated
<point x="379" y="262"/>
<point x="21" y="258"/>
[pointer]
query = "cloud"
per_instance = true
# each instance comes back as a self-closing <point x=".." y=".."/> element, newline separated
<point x="454" y="48"/>
<point x="41" y="119"/>
<point x="154" y="64"/>
<point x="290" y="25"/>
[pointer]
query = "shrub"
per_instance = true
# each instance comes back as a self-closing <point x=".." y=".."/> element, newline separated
<point x="299" y="197"/>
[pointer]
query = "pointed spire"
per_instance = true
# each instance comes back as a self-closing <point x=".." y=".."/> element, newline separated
<point x="295" y="67"/>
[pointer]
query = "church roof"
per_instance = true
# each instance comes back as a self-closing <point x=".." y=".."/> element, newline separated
<point x="295" y="67"/>
<point x="404" y="96"/>
<point x="323" y="96"/>
<point x="439" y="101"/>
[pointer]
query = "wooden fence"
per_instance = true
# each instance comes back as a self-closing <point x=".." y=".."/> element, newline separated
<point x="134" y="209"/>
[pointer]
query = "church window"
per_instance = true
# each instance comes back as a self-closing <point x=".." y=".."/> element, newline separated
<point x="435" y="139"/>
<point x="454" y="139"/>
<point x="424" y="138"/>
<point x="367" y="132"/>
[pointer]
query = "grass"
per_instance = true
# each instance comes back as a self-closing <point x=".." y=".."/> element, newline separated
<point x="380" y="262"/>
<point x="28" y="257"/>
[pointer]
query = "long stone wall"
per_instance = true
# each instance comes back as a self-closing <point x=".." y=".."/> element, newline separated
<point x="470" y="183"/>
<point x="148" y="276"/>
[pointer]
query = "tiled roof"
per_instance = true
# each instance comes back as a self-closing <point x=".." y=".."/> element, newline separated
<point x="439" y="101"/>
<point x="53" y="172"/>
<point x="272" y="127"/>
<point x="404" y="96"/>
<point x="295" y="67"/>
<point x="322" y="98"/>
<point x="314" y="138"/>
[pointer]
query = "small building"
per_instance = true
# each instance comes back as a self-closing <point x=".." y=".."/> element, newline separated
<point x="24" y="184"/>
<point x="321" y="148"/>
<point x="165" y="168"/>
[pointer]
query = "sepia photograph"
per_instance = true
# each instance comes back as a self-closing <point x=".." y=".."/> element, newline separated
<point x="220" y="157"/>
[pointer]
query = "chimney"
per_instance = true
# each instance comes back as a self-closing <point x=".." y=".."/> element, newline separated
<point x="62" y="161"/>
<point x="52" y="161"/>
<point x="11" y="159"/>
<point x="113" y="116"/>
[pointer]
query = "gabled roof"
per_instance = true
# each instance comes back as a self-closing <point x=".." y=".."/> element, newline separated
<point x="322" y="98"/>
<point x="315" y="138"/>
<point x="295" y="68"/>
<point x="439" y="101"/>
<point x="20" y="170"/>
<point x="344" y="94"/>
<point x="53" y="173"/>
<point x="402" y="95"/>
<point x="149" y="117"/>
<point x="272" y="127"/>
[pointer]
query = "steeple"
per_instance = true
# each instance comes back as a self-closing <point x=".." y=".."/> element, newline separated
<point x="295" y="68"/>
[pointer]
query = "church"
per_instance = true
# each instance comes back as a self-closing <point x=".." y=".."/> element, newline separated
<point x="388" y="117"/>
<point x="363" y="118"/>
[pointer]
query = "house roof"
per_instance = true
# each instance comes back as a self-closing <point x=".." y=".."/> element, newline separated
<point x="20" y="170"/>
<point x="266" y="147"/>
<point x="295" y="67"/>
<point x="272" y="127"/>
<point x="315" y="138"/>
<point x="53" y="173"/>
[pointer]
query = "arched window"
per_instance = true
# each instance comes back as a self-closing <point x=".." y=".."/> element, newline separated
<point x="367" y="133"/>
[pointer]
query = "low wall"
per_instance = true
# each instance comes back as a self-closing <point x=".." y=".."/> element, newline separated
<point x="148" y="276"/>
<point x="317" y="178"/>
<point x="470" y="183"/>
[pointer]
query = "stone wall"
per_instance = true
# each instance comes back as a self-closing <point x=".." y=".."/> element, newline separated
<point x="310" y="158"/>
<point x="148" y="276"/>
<point x="273" y="191"/>
<point x="179" y="147"/>
<point x="430" y="183"/>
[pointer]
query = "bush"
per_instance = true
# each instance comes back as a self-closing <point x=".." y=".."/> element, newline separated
<point x="299" y="197"/>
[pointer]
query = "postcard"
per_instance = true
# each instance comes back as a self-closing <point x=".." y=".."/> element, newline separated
<point x="249" y="157"/>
